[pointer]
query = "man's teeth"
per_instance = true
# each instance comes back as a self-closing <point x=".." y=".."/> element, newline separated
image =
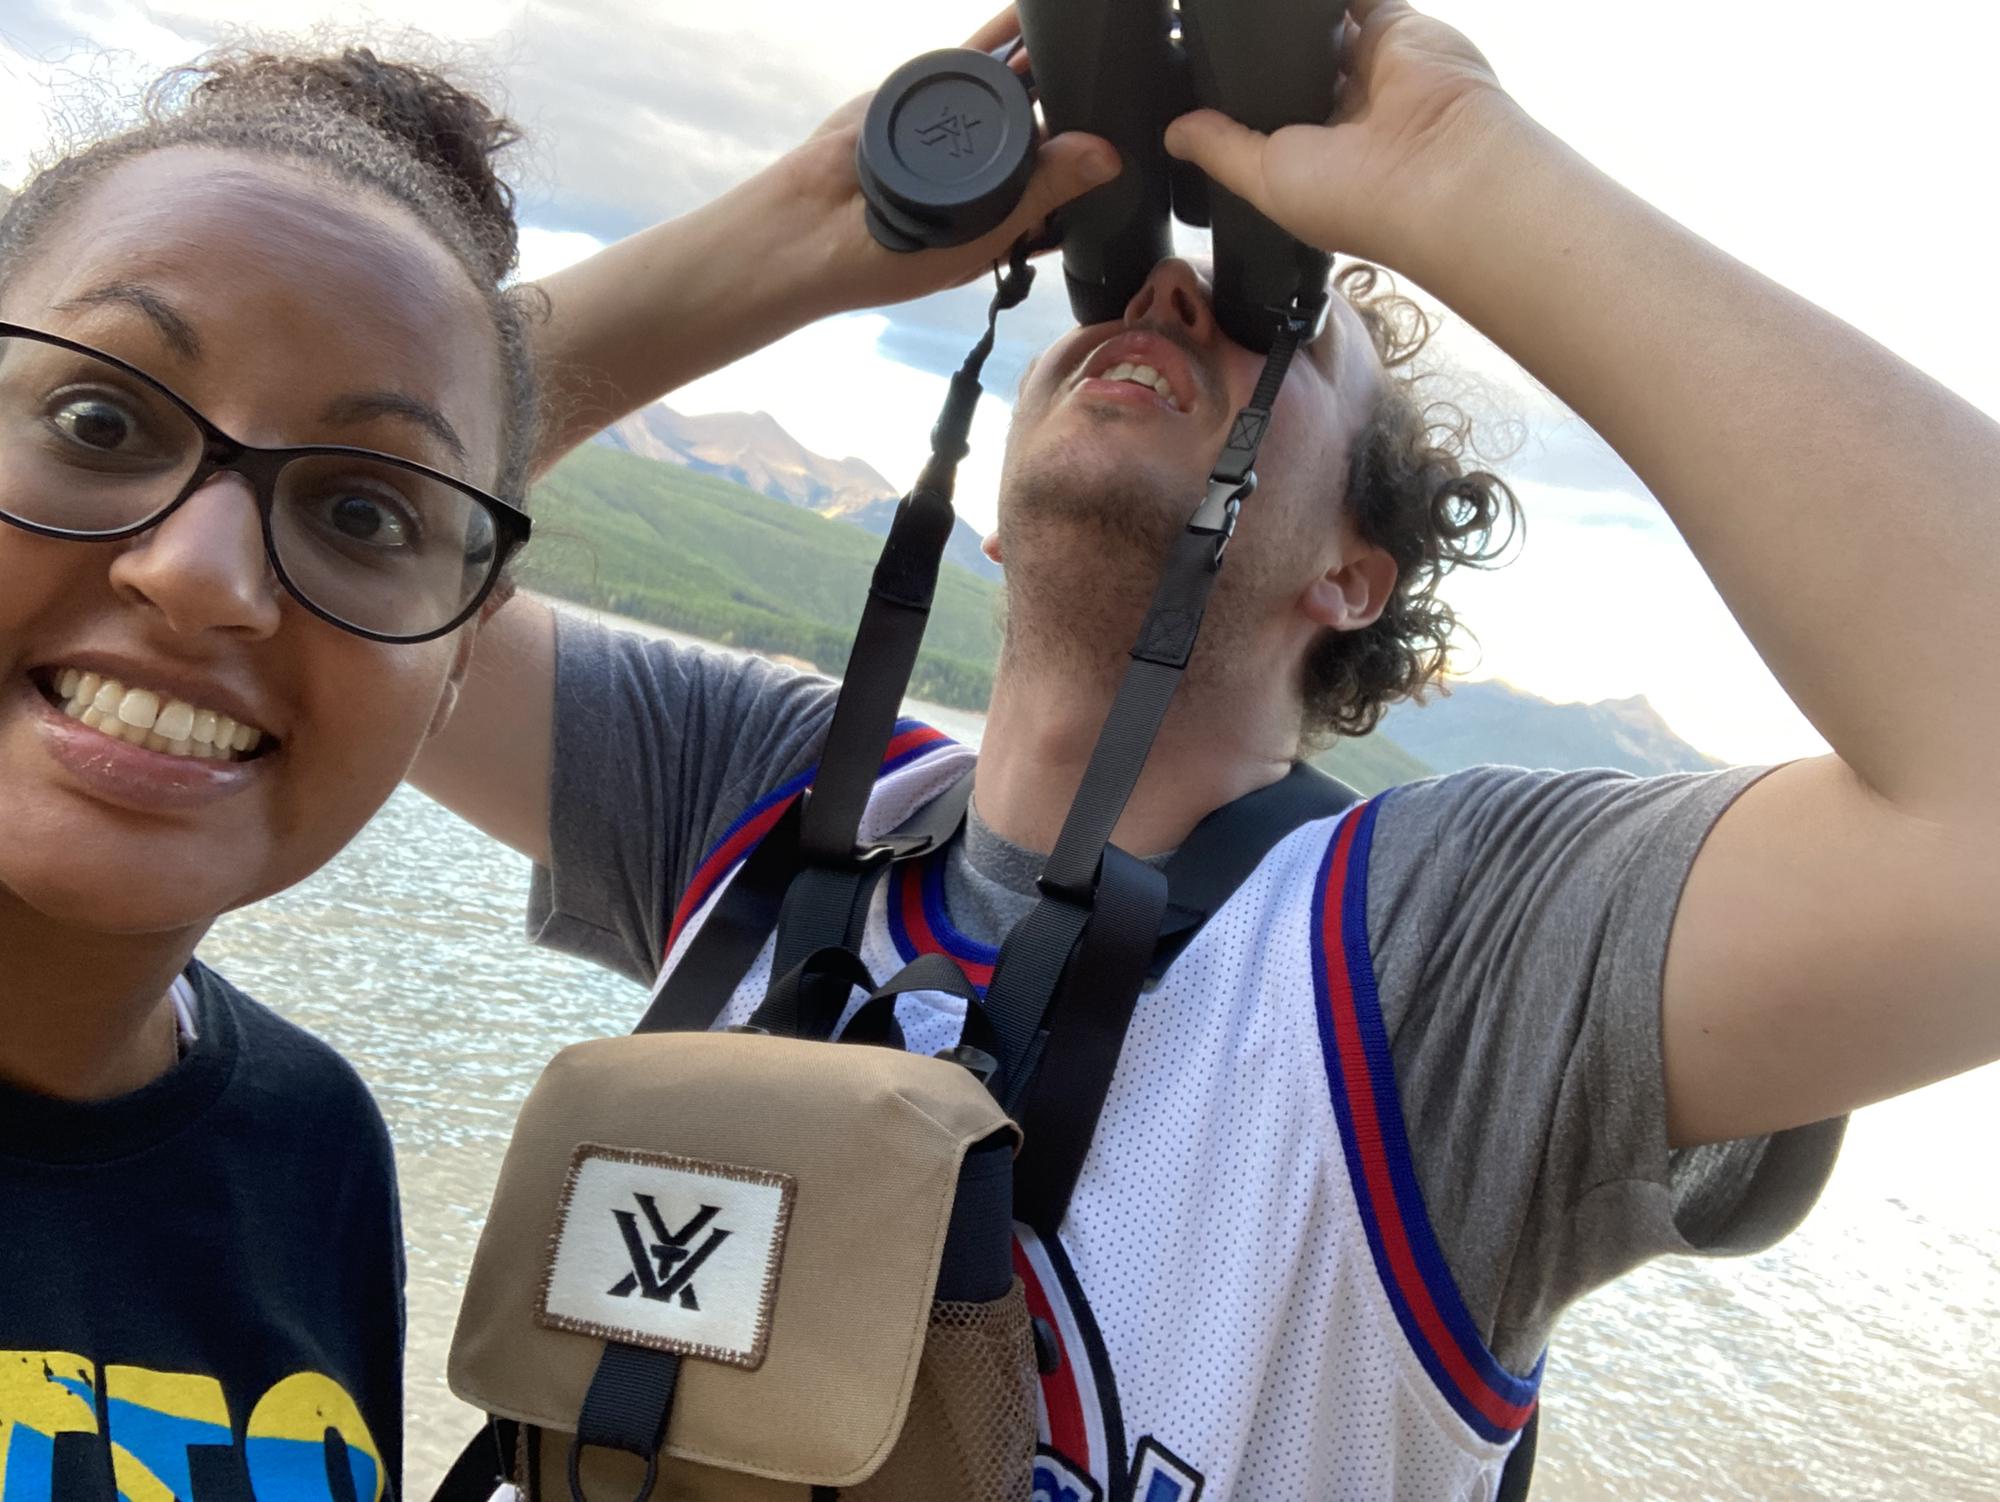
<point x="1142" y="375"/>
<point x="146" y="719"/>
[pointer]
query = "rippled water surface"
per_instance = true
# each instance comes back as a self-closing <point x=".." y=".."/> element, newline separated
<point x="1856" y="1361"/>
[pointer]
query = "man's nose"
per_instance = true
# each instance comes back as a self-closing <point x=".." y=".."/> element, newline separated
<point x="1173" y="295"/>
<point x="204" y="568"/>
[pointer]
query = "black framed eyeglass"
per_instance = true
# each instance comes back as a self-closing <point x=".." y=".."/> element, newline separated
<point x="96" y="450"/>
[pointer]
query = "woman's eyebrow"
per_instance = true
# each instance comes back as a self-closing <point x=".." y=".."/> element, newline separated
<point x="175" y="329"/>
<point x="366" y="406"/>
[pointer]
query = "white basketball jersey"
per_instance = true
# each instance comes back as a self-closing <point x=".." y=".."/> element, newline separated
<point x="1247" y="1293"/>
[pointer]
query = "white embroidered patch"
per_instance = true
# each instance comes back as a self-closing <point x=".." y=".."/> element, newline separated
<point x="668" y="1252"/>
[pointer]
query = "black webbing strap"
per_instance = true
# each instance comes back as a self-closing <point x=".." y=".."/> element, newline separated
<point x="482" y="1466"/>
<point x="625" y="1408"/>
<point x="1520" y="1468"/>
<point x="1018" y="1001"/>
<point x="1065" y="1087"/>
<point x="693" y="996"/>
<point x="730" y="939"/>
<point x="830" y="897"/>
<point x="1224" y="848"/>
<point x="875" y="1020"/>
<point x="807" y="1000"/>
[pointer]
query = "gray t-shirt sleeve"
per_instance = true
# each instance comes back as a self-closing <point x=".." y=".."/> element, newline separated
<point x="658" y="747"/>
<point x="1519" y="924"/>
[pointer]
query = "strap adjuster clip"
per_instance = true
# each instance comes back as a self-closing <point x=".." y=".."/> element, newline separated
<point x="1083" y="897"/>
<point x="1219" y="510"/>
<point x="1307" y="315"/>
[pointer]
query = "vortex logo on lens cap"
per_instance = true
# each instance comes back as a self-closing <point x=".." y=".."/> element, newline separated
<point x="946" y="150"/>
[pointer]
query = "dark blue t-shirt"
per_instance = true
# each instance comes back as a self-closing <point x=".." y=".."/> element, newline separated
<point x="201" y="1283"/>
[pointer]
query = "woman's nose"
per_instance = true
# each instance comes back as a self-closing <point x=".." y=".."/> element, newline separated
<point x="204" y="568"/>
<point x="1173" y="295"/>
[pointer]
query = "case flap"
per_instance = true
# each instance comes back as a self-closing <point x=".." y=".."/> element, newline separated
<point x="773" y="1209"/>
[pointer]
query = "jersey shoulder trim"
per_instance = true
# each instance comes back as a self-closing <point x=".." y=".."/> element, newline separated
<point x="919" y="922"/>
<point x="1492" y="1401"/>
<point x="912" y="741"/>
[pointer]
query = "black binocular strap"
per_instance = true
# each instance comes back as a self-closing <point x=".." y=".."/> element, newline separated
<point x="809" y="878"/>
<point x="1064" y="966"/>
<point x="827" y="901"/>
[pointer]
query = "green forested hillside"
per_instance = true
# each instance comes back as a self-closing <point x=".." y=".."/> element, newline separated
<point x="698" y="554"/>
<point x="1371" y="764"/>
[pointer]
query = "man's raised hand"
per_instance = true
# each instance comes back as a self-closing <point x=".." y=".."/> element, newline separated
<point x="853" y="271"/>
<point x="1417" y="102"/>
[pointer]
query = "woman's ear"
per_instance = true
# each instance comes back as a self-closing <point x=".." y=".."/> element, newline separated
<point x="461" y="661"/>
<point x="1354" y="592"/>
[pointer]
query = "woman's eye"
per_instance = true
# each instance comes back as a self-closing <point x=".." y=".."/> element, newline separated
<point x="96" y="423"/>
<point x="368" y="519"/>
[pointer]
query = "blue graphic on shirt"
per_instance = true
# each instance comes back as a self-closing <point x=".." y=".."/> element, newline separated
<point x="170" y="1438"/>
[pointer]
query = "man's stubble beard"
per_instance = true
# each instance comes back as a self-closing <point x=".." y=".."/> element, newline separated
<point x="1084" y="547"/>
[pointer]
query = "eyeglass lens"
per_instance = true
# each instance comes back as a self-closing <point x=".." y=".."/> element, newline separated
<point x="90" y="450"/>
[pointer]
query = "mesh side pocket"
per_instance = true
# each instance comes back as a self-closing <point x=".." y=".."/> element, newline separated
<point x="970" y="1434"/>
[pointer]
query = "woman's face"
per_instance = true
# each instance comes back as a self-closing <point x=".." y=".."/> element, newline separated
<point x="287" y="309"/>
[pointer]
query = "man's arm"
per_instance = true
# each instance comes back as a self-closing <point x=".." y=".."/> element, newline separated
<point x="658" y="310"/>
<point x="789" y="246"/>
<point x="1836" y="940"/>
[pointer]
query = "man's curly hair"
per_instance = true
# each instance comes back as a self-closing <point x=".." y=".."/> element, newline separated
<point x="1412" y="493"/>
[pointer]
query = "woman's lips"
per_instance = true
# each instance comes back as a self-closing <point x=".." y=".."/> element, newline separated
<point x="129" y="776"/>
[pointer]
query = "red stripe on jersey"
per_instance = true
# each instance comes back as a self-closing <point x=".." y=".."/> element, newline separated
<point x="1068" y="1435"/>
<point x="1378" y="1187"/>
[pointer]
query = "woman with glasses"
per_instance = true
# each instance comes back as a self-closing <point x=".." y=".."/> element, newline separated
<point x="265" y="418"/>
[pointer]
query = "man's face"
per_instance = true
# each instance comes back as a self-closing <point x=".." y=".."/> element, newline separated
<point x="1118" y="425"/>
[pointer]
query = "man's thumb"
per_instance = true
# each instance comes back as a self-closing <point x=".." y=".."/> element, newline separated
<point x="1069" y="166"/>
<point x="1230" y="153"/>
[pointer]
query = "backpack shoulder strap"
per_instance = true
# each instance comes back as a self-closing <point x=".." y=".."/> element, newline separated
<point x="691" y="996"/>
<point x="1226" y="847"/>
<point x="1065" y="1075"/>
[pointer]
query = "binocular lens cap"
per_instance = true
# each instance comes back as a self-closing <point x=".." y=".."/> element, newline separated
<point x="946" y="150"/>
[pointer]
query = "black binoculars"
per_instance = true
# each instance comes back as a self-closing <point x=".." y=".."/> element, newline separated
<point x="950" y="139"/>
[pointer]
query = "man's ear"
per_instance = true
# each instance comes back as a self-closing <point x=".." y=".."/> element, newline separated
<point x="990" y="546"/>
<point x="1354" y="593"/>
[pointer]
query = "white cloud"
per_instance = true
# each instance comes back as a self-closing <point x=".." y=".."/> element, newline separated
<point x="544" y="252"/>
<point x="1830" y="145"/>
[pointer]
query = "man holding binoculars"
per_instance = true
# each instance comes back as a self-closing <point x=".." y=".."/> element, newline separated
<point x="1599" y="1018"/>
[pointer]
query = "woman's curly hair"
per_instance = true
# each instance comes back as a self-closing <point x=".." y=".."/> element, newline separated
<point x="403" y="131"/>
<point x="1413" y="493"/>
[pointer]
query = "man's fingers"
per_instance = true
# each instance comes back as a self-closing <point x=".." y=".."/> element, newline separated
<point x="1231" y="154"/>
<point x="1002" y="28"/>
<point x="1069" y="166"/>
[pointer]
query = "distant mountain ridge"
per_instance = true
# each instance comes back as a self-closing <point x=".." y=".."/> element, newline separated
<point x="1492" y="721"/>
<point x="754" y="450"/>
<point x="655" y="522"/>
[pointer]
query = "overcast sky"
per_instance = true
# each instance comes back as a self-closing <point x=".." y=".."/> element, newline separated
<point x="1843" y="148"/>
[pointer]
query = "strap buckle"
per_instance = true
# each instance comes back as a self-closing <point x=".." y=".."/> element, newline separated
<point x="1220" y="508"/>
<point x="1307" y="315"/>
<point x="858" y="858"/>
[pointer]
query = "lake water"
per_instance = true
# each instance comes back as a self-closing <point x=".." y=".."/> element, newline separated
<point x="1861" y="1359"/>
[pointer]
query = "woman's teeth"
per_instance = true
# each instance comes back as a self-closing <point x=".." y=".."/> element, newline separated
<point x="150" y="720"/>
<point x="1142" y="375"/>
